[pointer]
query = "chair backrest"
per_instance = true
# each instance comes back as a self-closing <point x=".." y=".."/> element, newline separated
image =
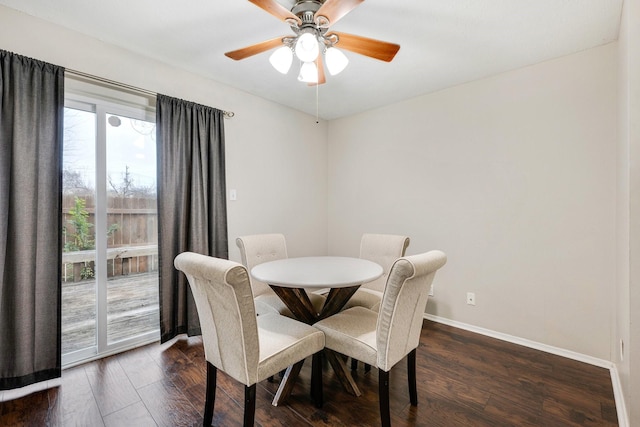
<point x="383" y="249"/>
<point x="226" y="310"/>
<point x="260" y="248"/>
<point x="403" y="304"/>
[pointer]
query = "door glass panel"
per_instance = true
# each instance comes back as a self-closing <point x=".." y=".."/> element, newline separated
<point x="132" y="228"/>
<point x="110" y="249"/>
<point x="78" y="225"/>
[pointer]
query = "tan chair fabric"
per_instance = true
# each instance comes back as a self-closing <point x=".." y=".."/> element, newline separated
<point x="383" y="339"/>
<point x="256" y="249"/>
<point x="260" y="248"/>
<point x="383" y="249"/>
<point x="247" y="347"/>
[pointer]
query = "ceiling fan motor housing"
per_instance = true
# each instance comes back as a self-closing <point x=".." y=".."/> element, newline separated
<point x="303" y="8"/>
<point x="306" y="11"/>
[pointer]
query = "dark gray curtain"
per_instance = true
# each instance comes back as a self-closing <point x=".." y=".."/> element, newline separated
<point x="31" y="128"/>
<point x="192" y="209"/>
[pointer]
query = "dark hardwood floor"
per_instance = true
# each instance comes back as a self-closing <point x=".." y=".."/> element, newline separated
<point x="464" y="379"/>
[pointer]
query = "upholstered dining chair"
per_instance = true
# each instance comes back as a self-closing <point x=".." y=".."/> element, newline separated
<point x="246" y="347"/>
<point x="258" y="248"/>
<point x="385" y="337"/>
<point x="383" y="249"/>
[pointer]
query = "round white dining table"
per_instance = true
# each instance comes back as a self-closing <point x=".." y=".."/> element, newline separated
<point x="317" y="272"/>
<point x="290" y="277"/>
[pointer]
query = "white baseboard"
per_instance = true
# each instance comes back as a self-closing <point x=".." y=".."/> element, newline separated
<point x="621" y="407"/>
<point x="618" y="394"/>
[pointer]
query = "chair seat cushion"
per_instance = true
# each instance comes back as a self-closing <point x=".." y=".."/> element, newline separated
<point x="283" y="342"/>
<point x="271" y="303"/>
<point x="367" y="298"/>
<point x="352" y="332"/>
<point x="268" y="304"/>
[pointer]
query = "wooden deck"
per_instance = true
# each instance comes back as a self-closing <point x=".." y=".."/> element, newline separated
<point x="132" y="309"/>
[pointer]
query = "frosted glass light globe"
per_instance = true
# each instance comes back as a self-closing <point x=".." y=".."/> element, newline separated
<point x="336" y="60"/>
<point x="307" y="48"/>
<point x="281" y="59"/>
<point x="308" y="72"/>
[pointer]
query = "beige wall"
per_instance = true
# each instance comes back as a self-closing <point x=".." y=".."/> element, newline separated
<point x="514" y="177"/>
<point x="276" y="156"/>
<point x="621" y="312"/>
<point x="628" y="283"/>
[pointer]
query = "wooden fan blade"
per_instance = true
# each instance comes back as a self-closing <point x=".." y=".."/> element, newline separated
<point x="377" y="49"/>
<point x="321" y="76"/>
<point x="254" y="49"/>
<point x="276" y="9"/>
<point x="334" y="10"/>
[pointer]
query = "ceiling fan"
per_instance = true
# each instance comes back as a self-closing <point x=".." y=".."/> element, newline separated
<point x="310" y="21"/>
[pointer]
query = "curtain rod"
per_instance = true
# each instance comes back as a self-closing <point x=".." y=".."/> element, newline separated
<point x="227" y="114"/>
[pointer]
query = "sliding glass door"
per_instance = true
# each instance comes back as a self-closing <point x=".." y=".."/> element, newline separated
<point x="110" y="264"/>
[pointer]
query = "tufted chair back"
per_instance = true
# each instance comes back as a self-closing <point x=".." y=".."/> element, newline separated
<point x="383" y="249"/>
<point x="259" y="248"/>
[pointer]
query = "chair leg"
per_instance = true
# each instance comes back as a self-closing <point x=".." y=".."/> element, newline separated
<point x="316" y="379"/>
<point x="249" y="405"/>
<point x="383" y="397"/>
<point x="411" y="376"/>
<point x="210" y="396"/>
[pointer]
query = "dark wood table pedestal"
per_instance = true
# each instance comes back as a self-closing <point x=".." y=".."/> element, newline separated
<point x="297" y="300"/>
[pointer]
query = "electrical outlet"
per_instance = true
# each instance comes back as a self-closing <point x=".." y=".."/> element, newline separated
<point x="431" y="290"/>
<point x="471" y="298"/>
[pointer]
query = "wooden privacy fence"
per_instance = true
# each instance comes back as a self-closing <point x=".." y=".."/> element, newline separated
<point x="132" y="244"/>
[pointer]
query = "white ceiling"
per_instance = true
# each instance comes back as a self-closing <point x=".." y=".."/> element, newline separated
<point x="443" y="42"/>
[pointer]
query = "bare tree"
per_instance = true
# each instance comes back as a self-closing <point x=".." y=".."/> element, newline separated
<point x="74" y="183"/>
<point x="127" y="187"/>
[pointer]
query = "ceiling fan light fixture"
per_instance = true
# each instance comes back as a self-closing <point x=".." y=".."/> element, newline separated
<point x="336" y="60"/>
<point x="307" y="48"/>
<point x="313" y="41"/>
<point x="308" y="72"/>
<point x="281" y="59"/>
